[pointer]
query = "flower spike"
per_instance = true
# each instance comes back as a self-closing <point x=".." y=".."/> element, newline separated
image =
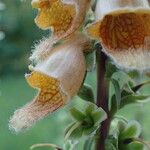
<point x="63" y="16"/>
<point x="123" y="27"/>
<point x="57" y="77"/>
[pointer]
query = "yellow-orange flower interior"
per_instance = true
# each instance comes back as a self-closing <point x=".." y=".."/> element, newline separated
<point x="49" y="89"/>
<point x="123" y="30"/>
<point x="54" y="13"/>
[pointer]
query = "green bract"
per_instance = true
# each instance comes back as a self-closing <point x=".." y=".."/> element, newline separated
<point x="124" y="135"/>
<point x="86" y="122"/>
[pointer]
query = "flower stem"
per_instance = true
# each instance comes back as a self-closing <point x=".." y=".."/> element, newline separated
<point x="102" y="97"/>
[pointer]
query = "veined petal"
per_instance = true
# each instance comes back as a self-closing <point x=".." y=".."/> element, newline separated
<point x="50" y="97"/>
<point x="63" y="16"/>
<point x="58" y="78"/>
<point x="123" y="27"/>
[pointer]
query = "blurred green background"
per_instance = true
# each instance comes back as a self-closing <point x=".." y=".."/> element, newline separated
<point x="18" y="33"/>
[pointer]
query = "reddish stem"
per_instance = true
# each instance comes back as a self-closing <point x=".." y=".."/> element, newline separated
<point x="102" y="97"/>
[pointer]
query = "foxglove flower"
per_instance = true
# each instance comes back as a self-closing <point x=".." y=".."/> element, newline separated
<point x="123" y="27"/>
<point x="57" y="76"/>
<point x="63" y="16"/>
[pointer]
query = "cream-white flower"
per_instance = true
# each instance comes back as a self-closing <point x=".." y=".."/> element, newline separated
<point x="58" y="77"/>
<point x="123" y="27"/>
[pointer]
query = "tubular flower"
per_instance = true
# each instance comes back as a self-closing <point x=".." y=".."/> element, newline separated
<point x="123" y="27"/>
<point x="64" y="16"/>
<point x="58" y="78"/>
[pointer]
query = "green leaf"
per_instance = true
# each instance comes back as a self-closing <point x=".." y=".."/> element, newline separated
<point x="76" y="134"/>
<point x="90" y="108"/>
<point x="111" y="143"/>
<point x="110" y="70"/>
<point x="122" y="78"/>
<point x="128" y="87"/>
<point x="134" y="98"/>
<point x="110" y="146"/>
<point x="135" y="146"/>
<point x="117" y="91"/>
<point x="138" y="87"/>
<point x="114" y="105"/>
<point x="77" y="115"/>
<point x="86" y="123"/>
<point x="86" y="93"/>
<point x="89" y="131"/>
<point x="67" y="145"/>
<point x="88" y="144"/>
<point x="120" y="86"/>
<point x="98" y="116"/>
<point x="121" y="125"/>
<point x="134" y="74"/>
<point x="90" y="61"/>
<point x="125" y="93"/>
<point x="73" y="131"/>
<point x="69" y="128"/>
<point x="133" y="129"/>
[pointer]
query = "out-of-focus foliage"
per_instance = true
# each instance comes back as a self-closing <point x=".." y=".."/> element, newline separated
<point x="2" y="7"/>
<point x="17" y="26"/>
